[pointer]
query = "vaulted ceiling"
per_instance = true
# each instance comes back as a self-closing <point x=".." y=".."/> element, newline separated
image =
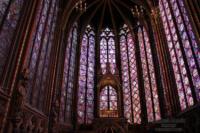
<point x="108" y="13"/>
<point x="105" y="13"/>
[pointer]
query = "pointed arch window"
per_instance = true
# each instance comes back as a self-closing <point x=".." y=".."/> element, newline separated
<point x="38" y="56"/>
<point x="108" y="102"/>
<point x="132" y="109"/>
<point x="86" y="78"/>
<point x="150" y="86"/>
<point x="107" y="50"/>
<point x="184" y="50"/>
<point x="4" y="5"/>
<point x="10" y="11"/>
<point x="68" y="76"/>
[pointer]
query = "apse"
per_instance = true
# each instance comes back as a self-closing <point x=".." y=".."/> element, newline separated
<point x="99" y="66"/>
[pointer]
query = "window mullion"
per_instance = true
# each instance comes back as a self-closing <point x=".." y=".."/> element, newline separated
<point x="189" y="38"/>
<point x="86" y="88"/>
<point x="36" y="32"/>
<point x="130" y="85"/>
<point x="148" y="72"/>
<point x="70" y="53"/>
<point x="5" y="14"/>
<point x="32" y="100"/>
<point x="176" y="56"/>
<point x="108" y="89"/>
<point x="107" y="49"/>
<point x="46" y="51"/>
<point x="183" y="54"/>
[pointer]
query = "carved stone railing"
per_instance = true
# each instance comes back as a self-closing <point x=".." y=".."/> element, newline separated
<point x="29" y="121"/>
<point x="3" y="103"/>
<point x="64" y="128"/>
<point x="192" y="119"/>
<point x="187" y="121"/>
<point x="119" y="124"/>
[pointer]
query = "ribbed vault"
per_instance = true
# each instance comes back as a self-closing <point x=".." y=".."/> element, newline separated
<point x="104" y="13"/>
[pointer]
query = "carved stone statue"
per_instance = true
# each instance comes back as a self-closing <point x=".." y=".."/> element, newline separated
<point x="19" y="98"/>
<point x="21" y="90"/>
<point x="55" y="111"/>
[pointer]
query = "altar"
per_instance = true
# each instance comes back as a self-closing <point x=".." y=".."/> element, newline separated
<point x="110" y="125"/>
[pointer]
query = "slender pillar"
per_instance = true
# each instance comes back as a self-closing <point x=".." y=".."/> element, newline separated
<point x="193" y="10"/>
<point x="16" y="57"/>
<point x="144" y="119"/>
<point x="170" y="94"/>
<point x="157" y="70"/>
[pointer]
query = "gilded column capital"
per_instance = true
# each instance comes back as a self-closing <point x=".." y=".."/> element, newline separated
<point x="155" y="13"/>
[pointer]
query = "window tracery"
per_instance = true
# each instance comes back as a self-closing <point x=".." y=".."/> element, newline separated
<point x="38" y="56"/>
<point x="132" y="109"/>
<point x="108" y="102"/>
<point x="8" y="25"/>
<point x="184" y="50"/>
<point x="86" y="77"/>
<point x="68" y="76"/>
<point x="107" y="50"/>
<point x="150" y="86"/>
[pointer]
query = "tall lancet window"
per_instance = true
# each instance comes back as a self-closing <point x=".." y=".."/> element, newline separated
<point x="86" y="78"/>
<point x="10" y="11"/>
<point x="38" y="56"/>
<point x="150" y="86"/>
<point x="184" y="50"/>
<point x="107" y="50"/>
<point x="132" y="108"/>
<point x="108" y="102"/>
<point x="68" y="76"/>
<point x="4" y="4"/>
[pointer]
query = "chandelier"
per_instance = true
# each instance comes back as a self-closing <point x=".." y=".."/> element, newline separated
<point x="81" y="6"/>
<point x="137" y="11"/>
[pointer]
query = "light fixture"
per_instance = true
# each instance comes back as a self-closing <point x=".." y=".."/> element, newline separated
<point x="81" y="6"/>
<point x="155" y="12"/>
<point x="137" y="11"/>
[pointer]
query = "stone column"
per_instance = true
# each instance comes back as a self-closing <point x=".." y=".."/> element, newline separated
<point x="168" y="79"/>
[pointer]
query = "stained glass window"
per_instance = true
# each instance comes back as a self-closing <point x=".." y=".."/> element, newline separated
<point x="183" y="48"/>
<point x="86" y="78"/>
<point x="39" y="51"/>
<point x="8" y="27"/>
<point x="151" y="95"/>
<point x="42" y="72"/>
<point x="4" y="4"/>
<point x="68" y="77"/>
<point x="132" y="108"/>
<point x="107" y="50"/>
<point x="108" y="102"/>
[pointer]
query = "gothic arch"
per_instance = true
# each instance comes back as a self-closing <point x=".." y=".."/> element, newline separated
<point x="109" y="80"/>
